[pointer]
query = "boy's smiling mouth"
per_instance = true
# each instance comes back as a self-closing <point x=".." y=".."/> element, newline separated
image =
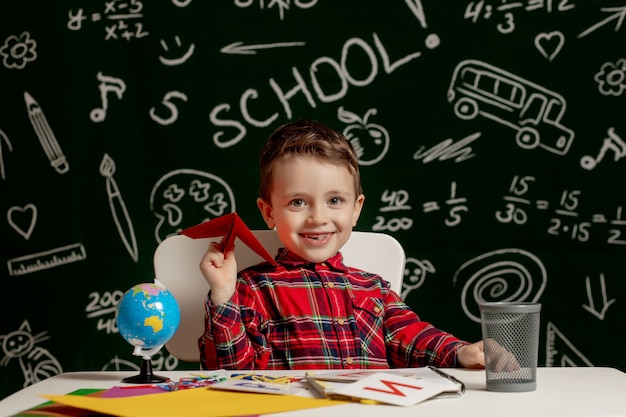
<point x="316" y="236"/>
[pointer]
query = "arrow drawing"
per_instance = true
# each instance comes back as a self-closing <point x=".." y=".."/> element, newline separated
<point x="237" y="48"/>
<point x="620" y="13"/>
<point x="605" y="303"/>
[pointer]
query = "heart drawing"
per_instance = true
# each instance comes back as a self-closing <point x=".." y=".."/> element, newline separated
<point x="23" y="219"/>
<point x="549" y="44"/>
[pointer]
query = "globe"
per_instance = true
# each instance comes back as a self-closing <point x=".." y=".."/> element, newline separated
<point x="147" y="316"/>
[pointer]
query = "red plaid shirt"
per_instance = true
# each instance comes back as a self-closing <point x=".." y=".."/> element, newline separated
<point x="301" y="315"/>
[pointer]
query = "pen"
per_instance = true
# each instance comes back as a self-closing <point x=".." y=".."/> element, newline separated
<point x="448" y="377"/>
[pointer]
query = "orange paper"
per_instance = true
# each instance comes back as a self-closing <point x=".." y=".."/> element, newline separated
<point x="230" y="226"/>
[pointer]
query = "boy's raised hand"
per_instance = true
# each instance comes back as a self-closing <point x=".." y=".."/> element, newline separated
<point x="220" y="271"/>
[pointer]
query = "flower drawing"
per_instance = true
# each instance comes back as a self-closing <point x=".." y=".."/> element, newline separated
<point x="611" y="78"/>
<point x="18" y="51"/>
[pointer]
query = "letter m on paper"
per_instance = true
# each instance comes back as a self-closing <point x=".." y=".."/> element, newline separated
<point x="393" y="390"/>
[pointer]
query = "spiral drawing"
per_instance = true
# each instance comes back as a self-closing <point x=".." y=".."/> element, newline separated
<point x="502" y="275"/>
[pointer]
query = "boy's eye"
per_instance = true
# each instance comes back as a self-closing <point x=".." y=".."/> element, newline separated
<point x="297" y="203"/>
<point x="335" y="201"/>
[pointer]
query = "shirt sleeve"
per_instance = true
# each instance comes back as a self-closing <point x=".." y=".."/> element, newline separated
<point x="412" y="342"/>
<point x="233" y="337"/>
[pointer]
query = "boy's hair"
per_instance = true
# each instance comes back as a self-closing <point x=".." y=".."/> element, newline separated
<point x="305" y="137"/>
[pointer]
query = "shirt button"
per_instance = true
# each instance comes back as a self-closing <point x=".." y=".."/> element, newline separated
<point x="323" y="264"/>
<point x="331" y="285"/>
<point x="340" y="322"/>
<point x="349" y="361"/>
<point x="376" y="309"/>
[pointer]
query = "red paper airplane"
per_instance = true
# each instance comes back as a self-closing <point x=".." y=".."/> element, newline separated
<point x="230" y="226"/>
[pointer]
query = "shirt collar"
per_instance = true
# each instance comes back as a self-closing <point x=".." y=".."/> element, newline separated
<point x="288" y="258"/>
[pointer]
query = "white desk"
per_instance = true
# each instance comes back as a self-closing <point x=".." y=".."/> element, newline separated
<point x="588" y="392"/>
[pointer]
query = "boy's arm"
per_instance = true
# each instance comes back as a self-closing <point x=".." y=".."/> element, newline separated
<point x="231" y="340"/>
<point x="415" y="342"/>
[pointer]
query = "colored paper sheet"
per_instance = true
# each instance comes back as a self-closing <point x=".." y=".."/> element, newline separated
<point x="193" y="403"/>
<point x="130" y="391"/>
<point x="230" y="226"/>
<point x="51" y="409"/>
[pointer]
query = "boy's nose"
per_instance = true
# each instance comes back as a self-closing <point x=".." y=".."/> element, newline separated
<point x="318" y="215"/>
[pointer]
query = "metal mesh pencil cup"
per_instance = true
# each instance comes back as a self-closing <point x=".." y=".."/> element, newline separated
<point x="511" y="344"/>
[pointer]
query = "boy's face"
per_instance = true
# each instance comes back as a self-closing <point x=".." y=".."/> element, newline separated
<point x="313" y="206"/>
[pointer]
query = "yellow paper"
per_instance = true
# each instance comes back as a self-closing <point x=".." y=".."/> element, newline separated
<point x="198" y="402"/>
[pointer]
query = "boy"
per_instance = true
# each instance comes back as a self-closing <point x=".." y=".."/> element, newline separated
<point x="311" y="311"/>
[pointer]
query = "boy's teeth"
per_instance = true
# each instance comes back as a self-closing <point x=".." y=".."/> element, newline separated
<point x="316" y="237"/>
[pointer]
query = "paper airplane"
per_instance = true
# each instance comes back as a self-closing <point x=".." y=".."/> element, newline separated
<point x="230" y="226"/>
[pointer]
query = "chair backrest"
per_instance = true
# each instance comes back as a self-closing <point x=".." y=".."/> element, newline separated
<point x="177" y="260"/>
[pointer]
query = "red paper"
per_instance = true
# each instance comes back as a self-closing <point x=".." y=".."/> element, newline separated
<point x="230" y="226"/>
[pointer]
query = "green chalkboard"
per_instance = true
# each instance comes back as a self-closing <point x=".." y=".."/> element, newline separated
<point x="491" y="134"/>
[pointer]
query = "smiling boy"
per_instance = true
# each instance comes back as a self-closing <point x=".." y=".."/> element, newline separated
<point x="311" y="311"/>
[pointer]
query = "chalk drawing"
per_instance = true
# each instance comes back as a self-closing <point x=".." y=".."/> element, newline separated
<point x="618" y="14"/>
<point x="415" y="272"/>
<point x="117" y="205"/>
<point x="186" y="197"/>
<point x="534" y="112"/>
<point x="509" y="274"/>
<point x="560" y="352"/>
<point x="549" y="44"/>
<point x="158" y="361"/>
<point x="107" y="85"/>
<point x="173" y="116"/>
<point x="221" y="117"/>
<point x="23" y="219"/>
<point x="184" y="56"/>
<point x="122" y="20"/>
<point x="17" y="51"/>
<point x="612" y="143"/>
<point x="46" y="136"/>
<point x="418" y="11"/>
<point x="241" y="49"/>
<point x="35" y="362"/>
<point x="47" y="259"/>
<point x="281" y="5"/>
<point x="448" y="149"/>
<point x="5" y="139"/>
<point x="103" y="307"/>
<point x="604" y="304"/>
<point x="369" y="140"/>
<point x="611" y="78"/>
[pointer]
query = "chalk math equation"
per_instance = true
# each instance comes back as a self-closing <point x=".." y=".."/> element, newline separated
<point x="516" y="208"/>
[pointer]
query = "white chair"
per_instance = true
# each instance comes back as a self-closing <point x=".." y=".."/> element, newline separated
<point x="177" y="260"/>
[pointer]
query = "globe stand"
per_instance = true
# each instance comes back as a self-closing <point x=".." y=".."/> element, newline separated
<point x="145" y="375"/>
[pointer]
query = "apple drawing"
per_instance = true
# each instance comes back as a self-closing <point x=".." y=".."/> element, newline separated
<point x="370" y="140"/>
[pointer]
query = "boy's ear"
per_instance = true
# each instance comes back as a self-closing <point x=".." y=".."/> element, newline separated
<point x="266" y="212"/>
<point x="358" y="206"/>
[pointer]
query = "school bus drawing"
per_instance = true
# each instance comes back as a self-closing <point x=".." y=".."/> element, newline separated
<point x="478" y="88"/>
